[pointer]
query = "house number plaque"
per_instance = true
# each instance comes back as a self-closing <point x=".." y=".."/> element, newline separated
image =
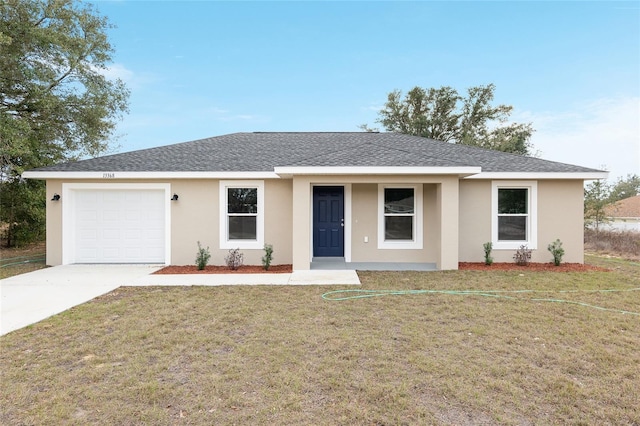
<point x="108" y="176"/>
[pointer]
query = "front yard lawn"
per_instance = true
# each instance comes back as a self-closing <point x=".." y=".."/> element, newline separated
<point x="284" y="355"/>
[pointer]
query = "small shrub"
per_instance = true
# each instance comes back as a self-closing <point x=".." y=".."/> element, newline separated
<point x="268" y="256"/>
<point x="557" y="251"/>
<point x="202" y="258"/>
<point x="522" y="256"/>
<point x="488" y="260"/>
<point x="234" y="259"/>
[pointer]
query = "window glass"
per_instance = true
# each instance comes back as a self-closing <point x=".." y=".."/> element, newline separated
<point x="242" y="200"/>
<point x="512" y="228"/>
<point x="398" y="227"/>
<point x="513" y="208"/>
<point x="398" y="200"/>
<point x="399" y="209"/>
<point x="512" y="201"/>
<point x="242" y="227"/>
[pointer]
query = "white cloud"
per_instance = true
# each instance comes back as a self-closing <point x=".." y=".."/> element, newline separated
<point x="600" y="133"/>
<point x="115" y="71"/>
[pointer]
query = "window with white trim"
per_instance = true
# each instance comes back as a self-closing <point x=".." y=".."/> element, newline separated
<point x="514" y="221"/>
<point x="400" y="216"/>
<point x="242" y="214"/>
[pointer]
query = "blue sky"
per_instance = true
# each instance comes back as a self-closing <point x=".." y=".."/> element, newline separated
<point x="205" y="68"/>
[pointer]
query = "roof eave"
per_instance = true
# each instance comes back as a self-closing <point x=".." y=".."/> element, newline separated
<point x="333" y="171"/>
<point x="590" y="175"/>
<point x="109" y="175"/>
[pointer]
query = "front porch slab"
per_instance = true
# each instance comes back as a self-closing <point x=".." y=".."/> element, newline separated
<point x="338" y="263"/>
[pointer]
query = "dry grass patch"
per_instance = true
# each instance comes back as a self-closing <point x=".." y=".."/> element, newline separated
<point x="284" y="355"/>
<point x="623" y="244"/>
<point x="20" y="260"/>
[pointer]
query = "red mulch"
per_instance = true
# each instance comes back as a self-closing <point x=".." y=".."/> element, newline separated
<point x="463" y="266"/>
<point x="531" y="267"/>
<point x="212" y="269"/>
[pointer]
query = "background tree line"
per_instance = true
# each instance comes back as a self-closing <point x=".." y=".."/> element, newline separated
<point x="55" y="102"/>
<point x="446" y="115"/>
<point x="599" y="194"/>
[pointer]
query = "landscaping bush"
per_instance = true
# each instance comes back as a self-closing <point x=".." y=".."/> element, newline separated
<point x="522" y="256"/>
<point x="203" y="256"/>
<point x="488" y="260"/>
<point x="268" y="256"/>
<point x="557" y="251"/>
<point x="234" y="259"/>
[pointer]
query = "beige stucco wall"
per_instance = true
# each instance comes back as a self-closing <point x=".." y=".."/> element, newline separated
<point x="365" y="224"/>
<point x="54" y="223"/>
<point x="475" y="219"/>
<point x="560" y="215"/>
<point x="453" y="228"/>
<point x="195" y="217"/>
<point x="440" y="208"/>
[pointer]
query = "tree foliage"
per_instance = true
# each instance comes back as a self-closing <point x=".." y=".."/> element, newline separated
<point x="599" y="194"/>
<point x="443" y="114"/>
<point x="55" y="102"/>
<point x="596" y="198"/>
<point x="625" y="188"/>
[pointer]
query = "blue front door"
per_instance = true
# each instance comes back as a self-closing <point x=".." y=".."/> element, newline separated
<point x="328" y="221"/>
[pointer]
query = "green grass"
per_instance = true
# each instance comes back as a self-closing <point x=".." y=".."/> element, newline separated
<point x="284" y="355"/>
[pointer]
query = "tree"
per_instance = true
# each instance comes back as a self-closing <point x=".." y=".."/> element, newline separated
<point x="596" y="198"/>
<point x="625" y="188"/>
<point x="443" y="114"/>
<point x="55" y="102"/>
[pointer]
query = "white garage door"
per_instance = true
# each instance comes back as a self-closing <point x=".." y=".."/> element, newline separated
<point x="119" y="226"/>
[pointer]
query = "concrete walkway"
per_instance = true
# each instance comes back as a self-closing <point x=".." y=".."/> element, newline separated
<point x="28" y="298"/>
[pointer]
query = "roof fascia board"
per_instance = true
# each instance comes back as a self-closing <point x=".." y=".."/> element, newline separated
<point x="458" y="171"/>
<point x="541" y="175"/>
<point x="109" y="175"/>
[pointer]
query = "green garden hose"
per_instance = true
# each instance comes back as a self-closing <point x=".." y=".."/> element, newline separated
<point x="340" y="295"/>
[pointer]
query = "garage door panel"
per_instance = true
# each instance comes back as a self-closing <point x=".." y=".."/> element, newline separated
<point x="119" y="226"/>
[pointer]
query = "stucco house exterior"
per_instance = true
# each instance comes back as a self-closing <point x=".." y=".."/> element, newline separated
<point x="360" y="197"/>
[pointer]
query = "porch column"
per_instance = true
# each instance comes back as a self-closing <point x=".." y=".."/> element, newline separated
<point x="448" y="197"/>
<point x="301" y="223"/>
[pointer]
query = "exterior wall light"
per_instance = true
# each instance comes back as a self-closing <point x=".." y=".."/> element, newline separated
<point x="56" y="197"/>
<point x="175" y="197"/>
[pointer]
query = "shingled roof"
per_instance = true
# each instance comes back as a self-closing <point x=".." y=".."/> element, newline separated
<point x="263" y="152"/>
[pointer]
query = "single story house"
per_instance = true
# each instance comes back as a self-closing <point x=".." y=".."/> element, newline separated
<point x="360" y="197"/>
<point x="623" y="215"/>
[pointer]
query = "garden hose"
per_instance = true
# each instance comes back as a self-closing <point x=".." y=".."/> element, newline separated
<point x="340" y="295"/>
<point x="27" y="259"/>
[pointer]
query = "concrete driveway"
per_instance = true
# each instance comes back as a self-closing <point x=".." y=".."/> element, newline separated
<point x="28" y="298"/>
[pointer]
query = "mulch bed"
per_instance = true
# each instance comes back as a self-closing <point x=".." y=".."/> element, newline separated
<point x="531" y="267"/>
<point x="463" y="266"/>
<point x="213" y="269"/>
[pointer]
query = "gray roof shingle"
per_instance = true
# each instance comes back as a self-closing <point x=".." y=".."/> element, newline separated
<point x="254" y="152"/>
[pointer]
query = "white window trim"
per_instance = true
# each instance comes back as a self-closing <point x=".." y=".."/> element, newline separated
<point x="532" y="223"/>
<point x="225" y="242"/>
<point x="416" y="242"/>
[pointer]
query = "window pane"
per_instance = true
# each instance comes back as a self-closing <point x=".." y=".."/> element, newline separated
<point x="512" y="228"/>
<point x="242" y="228"/>
<point x="398" y="200"/>
<point x="512" y="201"/>
<point x="242" y="200"/>
<point x="398" y="228"/>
